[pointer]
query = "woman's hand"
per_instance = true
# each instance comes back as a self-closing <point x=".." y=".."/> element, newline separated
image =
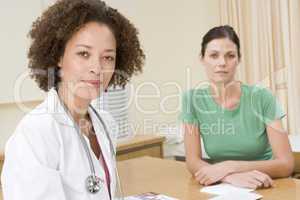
<point x="252" y="179"/>
<point x="211" y="174"/>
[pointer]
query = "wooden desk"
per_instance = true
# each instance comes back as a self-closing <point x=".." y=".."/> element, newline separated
<point x="297" y="162"/>
<point x="141" y="145"/>
<point x="171" y="178"/>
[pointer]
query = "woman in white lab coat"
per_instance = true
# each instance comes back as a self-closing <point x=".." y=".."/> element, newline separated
<point x="78" y="49"/>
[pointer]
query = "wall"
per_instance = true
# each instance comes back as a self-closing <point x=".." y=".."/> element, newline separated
<point x="16" y="18"/>
<point x="170" y="32"/>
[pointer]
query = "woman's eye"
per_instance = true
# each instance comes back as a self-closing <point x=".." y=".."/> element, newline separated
<point x="231" y="56"/>
<point x="109" y="58"/>
<point x="214" y="56"/>
<point x="84" y="54"/>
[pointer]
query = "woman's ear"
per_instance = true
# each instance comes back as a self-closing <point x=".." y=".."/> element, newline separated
<point x="59" y="64"/>
<point x="201" y="59"/>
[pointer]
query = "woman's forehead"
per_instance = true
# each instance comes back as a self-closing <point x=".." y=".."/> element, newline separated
<point x="94" y="35"/>
<point x="221" y="44"/>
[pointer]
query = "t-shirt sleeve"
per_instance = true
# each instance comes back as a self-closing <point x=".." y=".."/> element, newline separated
<point x="271" y="107"/>
<point x="187" y="113"/>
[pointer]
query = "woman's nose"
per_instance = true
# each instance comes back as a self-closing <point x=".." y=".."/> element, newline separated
<point x="221" y="61"/>
<point x="96" y="66"/>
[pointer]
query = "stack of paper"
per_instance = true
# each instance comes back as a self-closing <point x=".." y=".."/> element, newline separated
<point x="229" y="192"/>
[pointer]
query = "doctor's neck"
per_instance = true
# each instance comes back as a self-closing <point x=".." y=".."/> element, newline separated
<point x="77" y="106"/>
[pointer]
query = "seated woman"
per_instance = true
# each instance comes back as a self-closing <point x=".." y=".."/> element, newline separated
<point x="240" y="124"/>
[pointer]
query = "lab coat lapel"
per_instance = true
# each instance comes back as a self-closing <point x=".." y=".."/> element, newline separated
<point x="54" y="106"/>
<point x="105" y="148"/>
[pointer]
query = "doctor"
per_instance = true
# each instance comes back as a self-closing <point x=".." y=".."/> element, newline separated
<point x="64" y="149"/>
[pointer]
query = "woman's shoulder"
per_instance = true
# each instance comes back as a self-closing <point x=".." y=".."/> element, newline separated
<point x="37" y="126"/>
<point x="35" y="136"/>
<point x="36" y="117"/>
<point x="256" y="88"/>
<point x="256" y="92"/>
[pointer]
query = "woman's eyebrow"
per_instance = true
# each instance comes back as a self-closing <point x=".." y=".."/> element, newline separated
<point x="231" y="51"/>
<point x="90" y="47"/>
<point x="213" y="51"/>
<point x="83" y="45"/>
<point x="110" y="50"/>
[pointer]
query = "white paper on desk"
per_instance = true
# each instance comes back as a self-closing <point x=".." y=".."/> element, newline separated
<point x="224" y="188"/>
<point x="230" y="192"/>
<point x="238" y="196"/>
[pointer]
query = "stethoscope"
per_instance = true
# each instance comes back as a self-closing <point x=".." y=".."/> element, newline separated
<point x="93" y="183"/>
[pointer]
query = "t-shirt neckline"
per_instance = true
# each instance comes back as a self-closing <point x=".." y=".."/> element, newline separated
<point x="225" y="110"/>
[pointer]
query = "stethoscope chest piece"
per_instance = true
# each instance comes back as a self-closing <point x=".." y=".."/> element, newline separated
<point x="94" y="183"/>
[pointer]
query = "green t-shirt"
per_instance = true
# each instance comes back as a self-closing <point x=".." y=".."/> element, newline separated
<point x="238" y="134"/>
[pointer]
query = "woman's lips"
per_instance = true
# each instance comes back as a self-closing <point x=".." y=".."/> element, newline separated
<point x="95" y="83"/>
<point x="221" y="72"/>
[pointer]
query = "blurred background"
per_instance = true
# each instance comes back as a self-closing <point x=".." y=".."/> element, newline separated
<point x="170" y="34"/>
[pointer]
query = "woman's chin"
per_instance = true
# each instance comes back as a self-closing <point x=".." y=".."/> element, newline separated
<point x="88" y="94"/>
<point x="222" y="81"/>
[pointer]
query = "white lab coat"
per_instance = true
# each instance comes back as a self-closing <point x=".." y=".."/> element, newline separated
<point x="45" y="160"/>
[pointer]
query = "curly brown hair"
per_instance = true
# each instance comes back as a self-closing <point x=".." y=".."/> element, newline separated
<point x="51" y="32"/>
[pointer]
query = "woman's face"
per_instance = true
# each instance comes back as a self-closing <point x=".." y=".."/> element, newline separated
<point x="221" y="60"/>
<point x="89" y="61"/>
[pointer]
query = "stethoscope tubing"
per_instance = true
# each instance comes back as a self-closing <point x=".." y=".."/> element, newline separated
<point x="86" y="148"/>
<point x="111" y="148"/>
